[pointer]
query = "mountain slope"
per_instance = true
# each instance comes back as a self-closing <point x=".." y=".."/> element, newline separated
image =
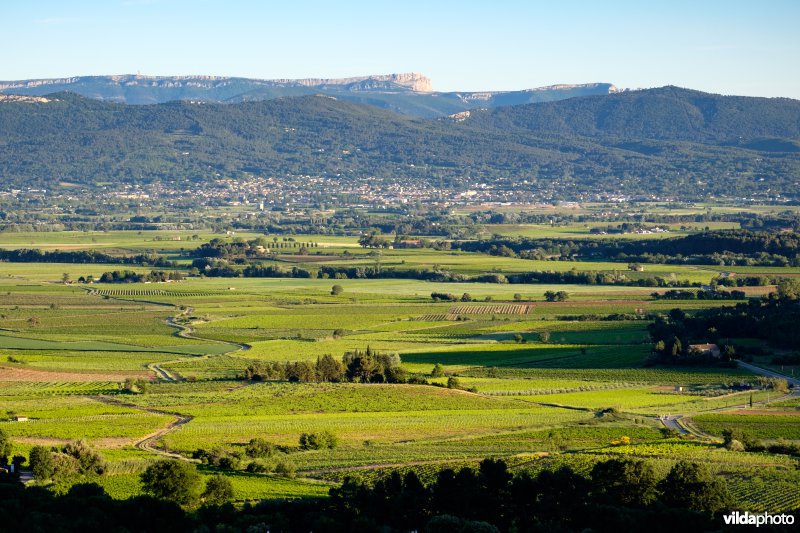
<point x="409" y="94"/>
<point x="576" y="147"/>
<point x="668" y="113"/>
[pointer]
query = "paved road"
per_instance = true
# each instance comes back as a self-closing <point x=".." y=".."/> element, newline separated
<point x="25" y="476"/>
<point x="768" y="373"/>
<point x="671" y="422"/>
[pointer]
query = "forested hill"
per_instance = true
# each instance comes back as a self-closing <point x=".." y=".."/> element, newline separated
<point x="554" y="148"/>
<point x="667" y="113"/>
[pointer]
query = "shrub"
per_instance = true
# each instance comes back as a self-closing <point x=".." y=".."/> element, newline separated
<point x="90" y="461"/>
<point x="258" y="467"/>
<point x="259" y="448"/>
<point x="735" y="445"/>
<point x="318" y="441"/>
<point x="285" y="469"/>
<point x="219" y="490"/>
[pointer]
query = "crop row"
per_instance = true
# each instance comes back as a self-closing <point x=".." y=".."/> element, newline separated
<point x="57" y="387"/>
<point x="146" y="292"/>
<point x="435" y="318"/>
<point x="772" y="498"/>
<point x="490" y="309"/>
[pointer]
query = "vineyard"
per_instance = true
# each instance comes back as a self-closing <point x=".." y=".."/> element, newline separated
<point x="508" y="309"/>
<point x="541" y="385"/>
<point x="147" y="292"/>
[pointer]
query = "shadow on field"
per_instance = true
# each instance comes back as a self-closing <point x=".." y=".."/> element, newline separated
<point x="537" y="356"/>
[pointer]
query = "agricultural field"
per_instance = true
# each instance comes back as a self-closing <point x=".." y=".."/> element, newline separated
<point x="537" y="383"/>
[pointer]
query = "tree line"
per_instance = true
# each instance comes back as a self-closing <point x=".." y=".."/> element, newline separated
<point x="773" y="318"/>
<point x="129" y="276"/>
<point x="723" y="247"/>
<point x="357" y="366"/>
<point x="699" y="295"/>
<point x="82" y="257"/>
<point x="615" y="495"/>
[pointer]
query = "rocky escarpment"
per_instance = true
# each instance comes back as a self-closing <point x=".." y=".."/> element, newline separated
<point x="407" y="93"/>
<point x="412" y="81"/>
<point x="16" y="98"/>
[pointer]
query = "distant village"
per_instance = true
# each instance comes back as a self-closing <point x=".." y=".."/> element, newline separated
<point x="304" y="191"/>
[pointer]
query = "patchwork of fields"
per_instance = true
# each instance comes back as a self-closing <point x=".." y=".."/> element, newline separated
<point x="538" y="383"/>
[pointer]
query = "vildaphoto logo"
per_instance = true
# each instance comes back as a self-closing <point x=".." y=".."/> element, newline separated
<point x="761" y="519"/>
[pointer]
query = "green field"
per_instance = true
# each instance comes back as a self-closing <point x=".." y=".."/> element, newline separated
<point x="540" y="384"/>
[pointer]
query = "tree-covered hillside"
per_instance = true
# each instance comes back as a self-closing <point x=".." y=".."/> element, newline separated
<point x="667" y="113"/>
<point x="650" y="142"/>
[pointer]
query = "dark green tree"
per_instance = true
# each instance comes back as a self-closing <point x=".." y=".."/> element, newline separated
<point x="41" y="462"/>
<point x="329" y="369"/>
<point x="219" y="490"/>
<point x="5" y="447"/>
<point x="624" y="482"/>
<point x="172" y="480"/>
<point x="691" y="486"/>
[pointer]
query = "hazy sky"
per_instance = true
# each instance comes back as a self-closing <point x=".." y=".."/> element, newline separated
<point x="730" y="47"/>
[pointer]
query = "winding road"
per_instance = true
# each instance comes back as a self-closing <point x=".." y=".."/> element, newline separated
<point x="185" y="331"/>
<point x="682" y="424"/>
<point x="148" y="442"/>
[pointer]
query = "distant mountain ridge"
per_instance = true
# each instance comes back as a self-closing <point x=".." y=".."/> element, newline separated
<point x="405" y="93"/>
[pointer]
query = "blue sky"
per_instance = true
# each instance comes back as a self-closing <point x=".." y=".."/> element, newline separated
<point x="730" y="47"/>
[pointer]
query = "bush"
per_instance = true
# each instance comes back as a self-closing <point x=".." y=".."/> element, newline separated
<point x="337" y="290"/>
<point x="220" y="457"/>
<point x="90" y="461"/>
<point x="734" y="446"/>
<point x="259" y="448"/>
<point x="449" y="523"/>
<point x="64" y="466"/>
<point x="285" y="469"/>
<point x="219" y="490"/>
<point x="318" y="441"/>
<point x="453" y="383"/>
<point x="258" y="467"/>
<point x="438" y="371"/>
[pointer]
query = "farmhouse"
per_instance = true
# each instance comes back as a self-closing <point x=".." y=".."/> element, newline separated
<point x="20" y="419"/>
<point x="705" y="349"/>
